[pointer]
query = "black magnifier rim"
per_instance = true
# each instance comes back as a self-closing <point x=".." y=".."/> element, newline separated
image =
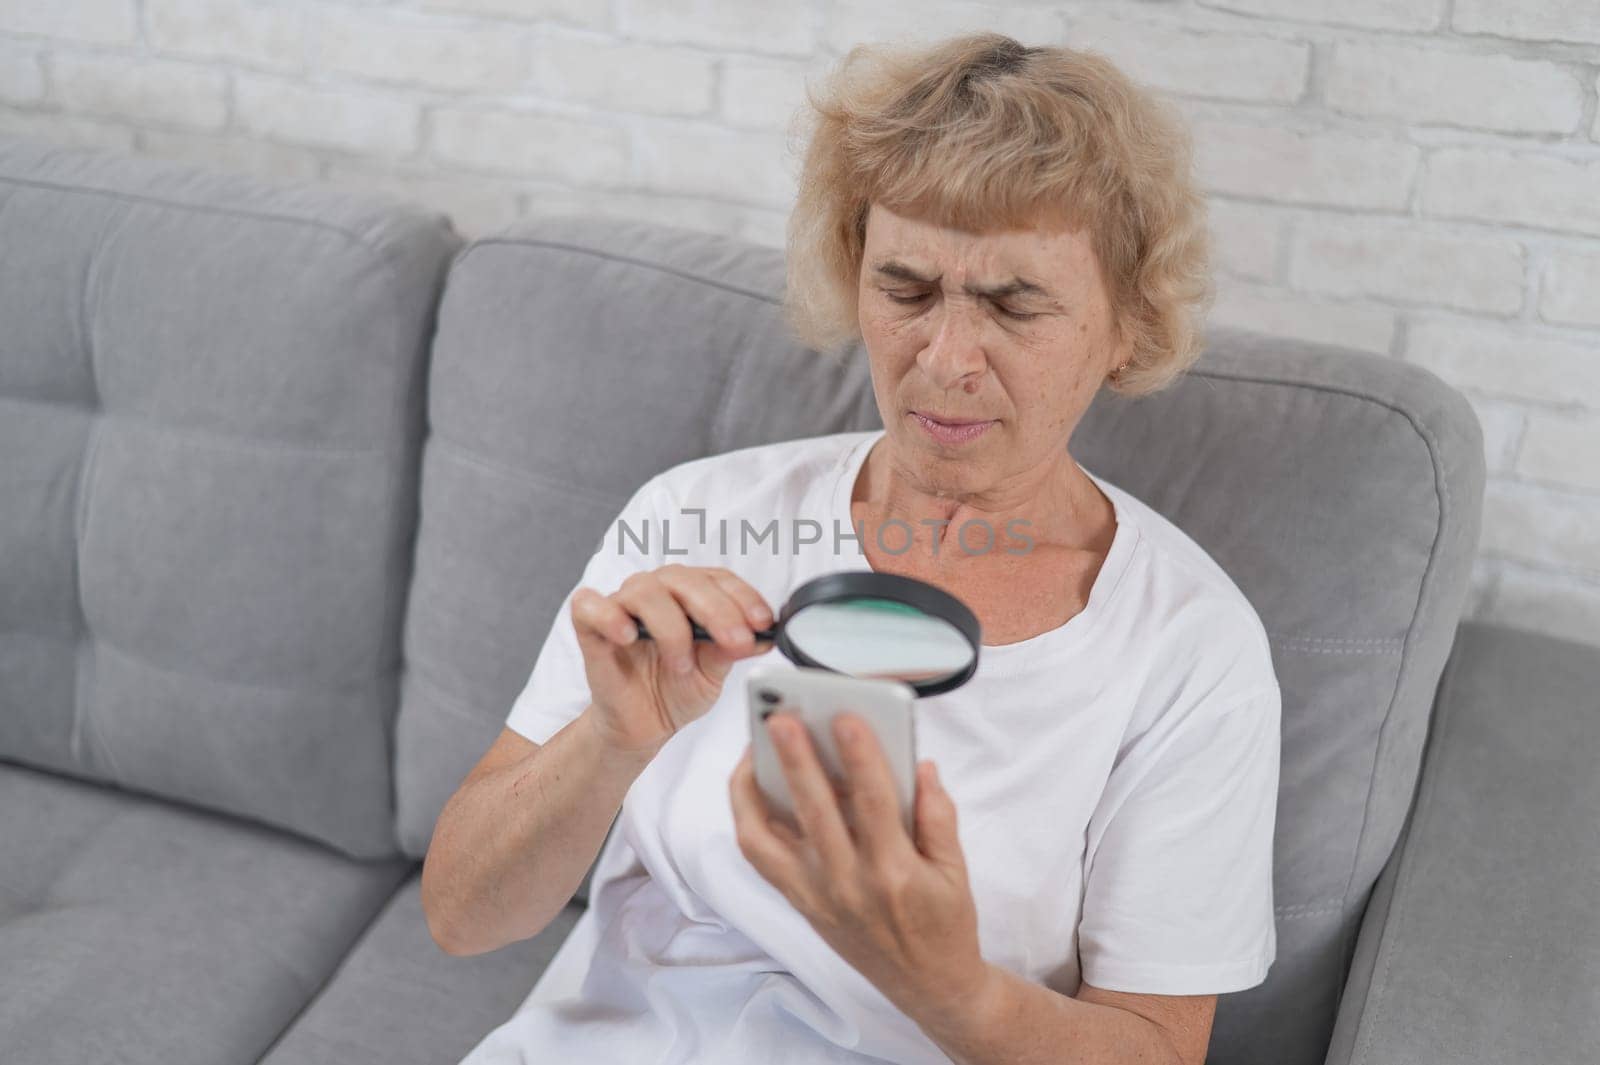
<point x="871" y="584"/>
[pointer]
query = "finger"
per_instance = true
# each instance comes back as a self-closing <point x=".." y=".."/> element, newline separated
<point x="706" y="601"/>
<point x="594" y="615"/>
<point x="756" y="610"/>
<point x="714" y="660"/>
<point x="869" y="789"/>
<point x="762" y="839"/>
<point x="816" y="807"/>
<point x="935" y="820"/>
<point x="645" y="597"/>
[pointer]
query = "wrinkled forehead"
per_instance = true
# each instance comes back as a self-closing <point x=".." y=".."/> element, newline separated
<point x="897" y="244"/>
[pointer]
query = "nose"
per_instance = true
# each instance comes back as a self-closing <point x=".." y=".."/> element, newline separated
<point x="954" y="357"/>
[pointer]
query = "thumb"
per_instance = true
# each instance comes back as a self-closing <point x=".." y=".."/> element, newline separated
<point x="935" y="820"/>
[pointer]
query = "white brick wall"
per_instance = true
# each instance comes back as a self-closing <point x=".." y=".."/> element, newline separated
<point x="21" y="74"/>
<point x="355" y="120"/>
<point x="1315" y="167"/>
<point x="1571" y="289"/>
<point x="733" y="25"/>
<point x="73" y="21"/>
<point x="1374" y="14"/>
<point x="1226" y="66"/>
<point x="1534" y="20"/>
<point x="249" y="35"/>
<point x="1539" y="190"/>
<point x="1501" y="360"/>
<point x="1426" y="85"/>
<point x="419" y="52"/>
<point x="527" y="143"/>
<point x="1415" y="178"/>
<point x="156" y="90"/>
<point x="625" y="76"/>
<point x="1408" y="264"/>
<point x="559" y="12"/>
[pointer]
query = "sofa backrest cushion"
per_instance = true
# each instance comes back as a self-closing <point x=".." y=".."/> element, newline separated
<point x="574" y="359"/>
<point x="212" y="396"/>
<point x="1342" y="491"/>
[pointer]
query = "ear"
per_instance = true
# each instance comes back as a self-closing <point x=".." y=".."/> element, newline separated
<point x="1122" y="344"/>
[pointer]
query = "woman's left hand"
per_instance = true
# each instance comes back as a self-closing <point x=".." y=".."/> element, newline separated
<point x="900" y="910"/>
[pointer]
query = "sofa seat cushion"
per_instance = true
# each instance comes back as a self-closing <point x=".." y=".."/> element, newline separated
<point x="1481" y="941"/>
<point x="397" y="999"/>
<point x="134" y="930"/>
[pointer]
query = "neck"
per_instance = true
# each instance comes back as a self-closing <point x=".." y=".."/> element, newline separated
<point x="1053" y="501"/>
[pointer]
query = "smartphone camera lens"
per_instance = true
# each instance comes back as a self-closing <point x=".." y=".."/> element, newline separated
<point x="768" y="696"/>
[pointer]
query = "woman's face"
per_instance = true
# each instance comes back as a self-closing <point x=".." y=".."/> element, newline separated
<point x="1011" y="329"/>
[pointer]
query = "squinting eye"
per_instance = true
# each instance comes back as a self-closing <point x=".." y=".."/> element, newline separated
<point x="919" y="297"/>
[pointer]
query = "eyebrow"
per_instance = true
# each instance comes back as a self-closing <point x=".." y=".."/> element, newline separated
<point x="1016" y="286"/>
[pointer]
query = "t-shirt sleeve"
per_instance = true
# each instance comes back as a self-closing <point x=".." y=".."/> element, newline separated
<point x="557" y="690"/>
<point x="1178" y="885"/>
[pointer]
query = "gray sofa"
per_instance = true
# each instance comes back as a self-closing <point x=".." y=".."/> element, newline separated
<point x="294" y="482"/>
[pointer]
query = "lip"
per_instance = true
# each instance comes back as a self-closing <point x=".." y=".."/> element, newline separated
<point x="951" y="431"/>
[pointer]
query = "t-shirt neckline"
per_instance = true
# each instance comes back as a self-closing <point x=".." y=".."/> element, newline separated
<point x="1035" y="651"/>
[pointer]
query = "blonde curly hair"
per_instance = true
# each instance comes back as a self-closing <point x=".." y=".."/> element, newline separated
<point x="978" y="133"/>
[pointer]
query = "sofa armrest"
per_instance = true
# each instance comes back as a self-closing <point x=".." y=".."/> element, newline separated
<point x="1481" y="940"/>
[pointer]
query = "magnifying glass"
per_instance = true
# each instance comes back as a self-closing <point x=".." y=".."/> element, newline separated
<point x="870" y="624"/>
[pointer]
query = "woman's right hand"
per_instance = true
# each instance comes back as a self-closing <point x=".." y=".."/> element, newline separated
<point x="643" y="691"/>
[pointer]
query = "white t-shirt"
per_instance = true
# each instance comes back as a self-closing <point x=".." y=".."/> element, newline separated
<point x="1115" y="780"/>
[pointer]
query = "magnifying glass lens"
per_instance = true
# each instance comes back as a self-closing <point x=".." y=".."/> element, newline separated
<point x="868" y="637"/>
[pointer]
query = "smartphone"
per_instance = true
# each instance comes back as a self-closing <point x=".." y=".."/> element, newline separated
<point x="815" y="696"/>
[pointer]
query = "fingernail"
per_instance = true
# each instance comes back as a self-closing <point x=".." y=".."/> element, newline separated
<point x="759" y="615"/>
<point x="684" y="664"/>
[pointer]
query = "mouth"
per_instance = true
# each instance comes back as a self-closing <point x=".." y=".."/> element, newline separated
<point x="947" y="430"/>
<point x="954" y="423"/>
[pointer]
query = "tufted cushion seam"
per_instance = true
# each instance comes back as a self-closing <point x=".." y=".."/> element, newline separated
<point x="534" y="479"/>
<point x="228" y="682"/>
<point x="240" y="442"/>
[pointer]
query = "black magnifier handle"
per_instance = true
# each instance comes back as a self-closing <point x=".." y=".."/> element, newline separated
<point x="699" y="633"/>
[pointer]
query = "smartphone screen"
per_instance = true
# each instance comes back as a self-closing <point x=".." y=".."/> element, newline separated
<point x="815" y="696"/>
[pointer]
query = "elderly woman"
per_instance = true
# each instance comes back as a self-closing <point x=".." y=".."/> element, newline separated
<point x="1005" y="230"/>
